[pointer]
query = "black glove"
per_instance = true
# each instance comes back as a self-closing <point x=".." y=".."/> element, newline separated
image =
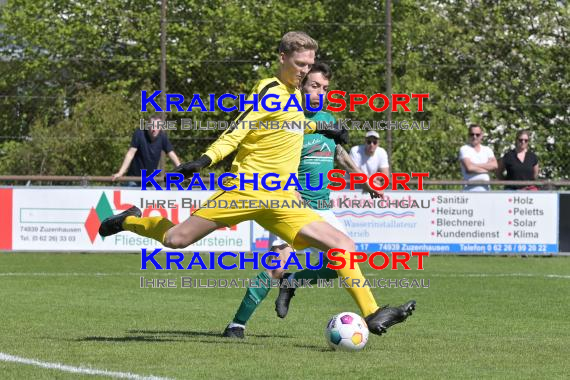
<point x="191" y="167"/>
<point x="338" y="134"/>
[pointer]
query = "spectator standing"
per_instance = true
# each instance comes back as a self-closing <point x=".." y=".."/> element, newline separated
<point x="370" y="158"/>
<point x="477" y="160"/>
<point x="520" y="163"/>
<point x="144" y="152"/>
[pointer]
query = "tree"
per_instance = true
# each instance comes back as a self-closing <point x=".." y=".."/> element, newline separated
<point x="92" y="141"/>
<point x="501" y="64"/>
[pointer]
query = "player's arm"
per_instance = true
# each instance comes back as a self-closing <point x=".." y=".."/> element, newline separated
<point x="379" y="181"/>
<point x="383" y="167"/>
<point x="347" y="164"/>
<point x="223" y="146"/>
<point x="228" y="141"/>
<point x="126" y="163"/>
<point x="345" y="161"/>
<point x="335" y="132"/>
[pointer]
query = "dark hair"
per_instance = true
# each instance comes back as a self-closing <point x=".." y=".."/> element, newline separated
<point x="471" y="126"/>
<point x="155" y="117"/>
<point x="319" y="67"/>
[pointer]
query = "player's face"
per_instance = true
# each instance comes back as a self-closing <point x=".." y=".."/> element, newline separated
<point x="295" y="65"/>
<point x="315" y="85"/>
<point x="475" y="136"/>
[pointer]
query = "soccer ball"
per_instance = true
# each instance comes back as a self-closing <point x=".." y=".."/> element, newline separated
<point x="347" y="332"/>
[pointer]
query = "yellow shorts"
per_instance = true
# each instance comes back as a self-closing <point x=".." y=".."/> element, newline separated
<point x="285" y="222"/>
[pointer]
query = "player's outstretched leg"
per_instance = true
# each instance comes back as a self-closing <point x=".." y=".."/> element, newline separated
<point x="159" y="228"/>
<point x="386" y="316"/>
<point x="114" y="224"/>
<point x="130" y="220"/>
<point x="323" y="236"/>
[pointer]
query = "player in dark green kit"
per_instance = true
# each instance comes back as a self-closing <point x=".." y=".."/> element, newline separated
<point x="317" y="158"/>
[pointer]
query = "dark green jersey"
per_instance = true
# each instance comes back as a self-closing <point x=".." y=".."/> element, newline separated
<point x="317" y="158"/>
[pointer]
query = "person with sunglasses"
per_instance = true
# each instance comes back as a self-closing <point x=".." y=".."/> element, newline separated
<point x="520" y="163"/>
<point x="477" y="160"/>
<point x="370" y="157"/>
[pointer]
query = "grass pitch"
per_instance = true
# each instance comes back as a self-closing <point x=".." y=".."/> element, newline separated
<point x="481" y="317"/>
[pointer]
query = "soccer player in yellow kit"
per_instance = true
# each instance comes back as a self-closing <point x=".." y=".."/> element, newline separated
<point x="265" y="150"/>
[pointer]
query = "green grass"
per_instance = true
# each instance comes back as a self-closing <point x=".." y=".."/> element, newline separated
<point x="482" y="317"/>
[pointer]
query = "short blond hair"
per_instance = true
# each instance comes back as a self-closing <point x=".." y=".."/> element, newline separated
<point x="297" y="41"/>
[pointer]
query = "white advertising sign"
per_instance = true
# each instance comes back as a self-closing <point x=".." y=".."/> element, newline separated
<point x="51" y="219"/>
<point x="452" y="222"/>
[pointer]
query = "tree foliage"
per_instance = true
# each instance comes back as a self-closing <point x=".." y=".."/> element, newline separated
<point x="90" y="142"/>
<point x="501" y="64"/>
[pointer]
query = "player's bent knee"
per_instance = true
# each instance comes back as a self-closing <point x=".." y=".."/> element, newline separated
<point x="173" y="244"/>
<point x="344" y="242"/>
<point x="174" y="241"/>
<point x="348" y="243"/>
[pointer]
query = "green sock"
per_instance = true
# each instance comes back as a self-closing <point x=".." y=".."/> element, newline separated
<point x="311" y="275"/>
<point x="253" y="297"/>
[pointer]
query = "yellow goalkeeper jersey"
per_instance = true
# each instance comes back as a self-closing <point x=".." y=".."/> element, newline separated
<point x="261" y="149"/>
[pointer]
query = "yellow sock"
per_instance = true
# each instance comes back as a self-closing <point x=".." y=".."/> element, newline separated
<point x="154" y="227"/>
<point x="362" y="295"/>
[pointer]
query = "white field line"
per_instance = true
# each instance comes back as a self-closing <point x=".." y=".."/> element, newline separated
<point x="82" y="370"/>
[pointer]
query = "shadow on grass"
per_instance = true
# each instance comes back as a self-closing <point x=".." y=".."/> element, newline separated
<point x="147" y="339"/>
<point x="313" y="347"/>
<point x="188" y="333"/>
<point x="174" y="336"/>
<point x="125" y="339"/>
